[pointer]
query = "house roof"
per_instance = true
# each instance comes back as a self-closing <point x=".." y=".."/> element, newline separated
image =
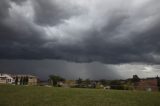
<point x="24" y="75"/>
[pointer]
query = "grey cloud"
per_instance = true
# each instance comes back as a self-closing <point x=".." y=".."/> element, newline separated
<point x="51" y="12"/>
<point x="122" y="35"/>
<point x="69" y="70"/>
<point x="18" y="1"/>
<point x="4" y="9"/>
<point x="72" y="70"/>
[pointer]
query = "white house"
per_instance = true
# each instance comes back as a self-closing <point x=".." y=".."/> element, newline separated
<point x="6" y="79"/>
<point x="18" y="79"/>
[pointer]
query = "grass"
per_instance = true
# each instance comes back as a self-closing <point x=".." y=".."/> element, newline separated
<point x="45" y="96"/>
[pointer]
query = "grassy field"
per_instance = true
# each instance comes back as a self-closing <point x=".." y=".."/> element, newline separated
<point x="45" y="96"/>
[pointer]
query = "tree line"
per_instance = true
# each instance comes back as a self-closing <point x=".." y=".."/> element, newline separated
<point x="21" y="80"/>
<point x="127" y="84"/>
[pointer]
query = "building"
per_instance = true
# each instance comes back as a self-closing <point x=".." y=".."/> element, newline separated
<point x="32" y="80"/>
<point x="6" y="79"/>
<point x="25" y="79"/>
<point x="148" y="84"/>
<point x="18" y="79"/>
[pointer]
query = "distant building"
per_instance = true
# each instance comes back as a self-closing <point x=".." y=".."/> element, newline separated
<point x="68" y="83"/>
<point x="148" y="84"/>
<point x="30" y="79"/>
<point x="18" y="79"/>
<point x="6" y="79"/>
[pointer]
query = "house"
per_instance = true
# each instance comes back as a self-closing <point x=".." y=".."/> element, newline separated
<point x="18" y="79"/>
<point x="148" y="84"/>
<point x="25" y="79"/>
<point x="6" y="79"/>
<point x="32" y="80"/>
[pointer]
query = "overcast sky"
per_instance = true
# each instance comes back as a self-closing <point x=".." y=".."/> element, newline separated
<point x="95" y="39"/>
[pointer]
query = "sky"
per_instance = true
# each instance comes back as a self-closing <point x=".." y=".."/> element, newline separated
<point x="96" y="39"/>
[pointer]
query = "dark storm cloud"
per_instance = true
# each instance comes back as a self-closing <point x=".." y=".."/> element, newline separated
<point x="50" y="12"/>
<point x="68" y="70"/>
<point x="80" y="31"/>
<point x="72" y="70"/>
<point x="4" y="9"/>
<point x="18" y="1"/>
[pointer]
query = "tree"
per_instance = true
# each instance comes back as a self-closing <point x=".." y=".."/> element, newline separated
<point x="24" y="81"/>
<point x="158" y="82"/>
<point x="21" y="81"/>
<point x="79" y="81"/>
<point x="104" y="82"/>
<point x="116" y="84"/>
<point x="16" y="80"/>
<point x="87" y="82"/>
<point x="27" y="80"/>
<point x="54" y="79"/>
<point x="135" y="80"/>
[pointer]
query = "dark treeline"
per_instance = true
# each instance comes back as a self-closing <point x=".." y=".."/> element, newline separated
<point x="128" y="84"/>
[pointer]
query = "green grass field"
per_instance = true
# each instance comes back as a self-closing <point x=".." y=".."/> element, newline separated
<point x="45" y="96"/>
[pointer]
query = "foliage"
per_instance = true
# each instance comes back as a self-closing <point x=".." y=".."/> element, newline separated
<point x="87" y="81"/>
<point x="116" y="84"/>
<point x="128" y="87"/>
<point x="25" y="80"/>
<point x="16" y="80"/>
<point x="158" y="82"/>
<point x="21" y="81"/>
<point x="104" y="82"/>
<point x="54" y="79"/>
<point x="135" y="79"/>
<point x="79" y="81"/>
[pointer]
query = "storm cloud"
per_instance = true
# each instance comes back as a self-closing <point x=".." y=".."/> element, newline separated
<point x="68" y="70"/>
<point x="72" y="70"/>
<point x="111" y="32"/>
